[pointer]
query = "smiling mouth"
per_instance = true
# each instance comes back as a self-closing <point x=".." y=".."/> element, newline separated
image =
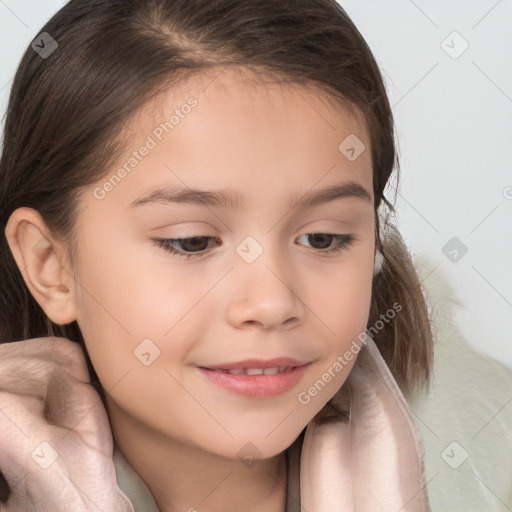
<point x="255" y="382"/>
<point x="254" y="371"/>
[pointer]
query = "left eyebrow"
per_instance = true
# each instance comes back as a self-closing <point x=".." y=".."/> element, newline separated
<point x="232" y="199"/>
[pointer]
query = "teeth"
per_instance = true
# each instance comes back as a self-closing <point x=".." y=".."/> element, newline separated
<point x="256" y="371"/>
<point x="236" y="371"/>
<point x="253" y="371"/>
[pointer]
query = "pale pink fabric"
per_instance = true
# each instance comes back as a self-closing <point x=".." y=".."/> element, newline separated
<point x="372" y="461"/>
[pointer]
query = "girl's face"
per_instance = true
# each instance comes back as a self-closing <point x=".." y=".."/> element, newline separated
<point x="259" y="283"/>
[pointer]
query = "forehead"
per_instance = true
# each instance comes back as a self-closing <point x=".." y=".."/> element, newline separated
<point x="229" y="93"/>
<point x="248" y="126"/>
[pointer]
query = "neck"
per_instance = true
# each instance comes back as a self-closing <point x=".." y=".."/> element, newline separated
<point x="186" y="478"/>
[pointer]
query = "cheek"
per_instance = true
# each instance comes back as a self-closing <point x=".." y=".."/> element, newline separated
<point x="128" y="309"/>
<point x="127" y="320"/>
<point x="342" y="299"/>
<point x="340" y="296"/>
<point x="123" y="301"/>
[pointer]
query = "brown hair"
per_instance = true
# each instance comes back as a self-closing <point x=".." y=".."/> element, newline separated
<point x="113" y="56"/>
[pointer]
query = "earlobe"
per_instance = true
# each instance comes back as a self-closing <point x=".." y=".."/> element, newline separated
<point x="40" y="260"/>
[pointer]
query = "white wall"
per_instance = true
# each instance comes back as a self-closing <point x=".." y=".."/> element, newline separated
<point x="454" y="121"/>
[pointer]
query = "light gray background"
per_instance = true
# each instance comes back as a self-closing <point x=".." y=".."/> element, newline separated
<point x="454" y="122"/>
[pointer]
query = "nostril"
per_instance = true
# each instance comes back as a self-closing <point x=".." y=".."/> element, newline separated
<point x="251" y="322"/>
<point x="291" y="321"/>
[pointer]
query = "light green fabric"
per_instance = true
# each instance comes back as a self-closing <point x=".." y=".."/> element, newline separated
<point x="466" y="422"/>
<point x="132" y="485"/>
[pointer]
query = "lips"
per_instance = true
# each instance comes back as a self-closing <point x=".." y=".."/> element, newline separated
<point x="254" y="364"/>
<point x="256" y="371"/>
<point x="256" y="378"/>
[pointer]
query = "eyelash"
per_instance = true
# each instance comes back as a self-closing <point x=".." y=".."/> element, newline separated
<point x="344" y="241"/>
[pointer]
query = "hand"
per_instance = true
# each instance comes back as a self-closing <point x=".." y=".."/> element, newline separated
<point x="56" y="446"/>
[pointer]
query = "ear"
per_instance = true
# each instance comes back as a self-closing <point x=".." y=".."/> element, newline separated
<point x="43" y="265"/>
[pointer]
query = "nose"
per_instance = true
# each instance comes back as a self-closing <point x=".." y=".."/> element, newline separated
<point x="265" y="294"/>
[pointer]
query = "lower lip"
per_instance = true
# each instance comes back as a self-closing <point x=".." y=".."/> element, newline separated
<point x="256" y="385"/>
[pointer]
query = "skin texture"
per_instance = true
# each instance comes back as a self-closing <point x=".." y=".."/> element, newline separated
<point x="266" y="142"/>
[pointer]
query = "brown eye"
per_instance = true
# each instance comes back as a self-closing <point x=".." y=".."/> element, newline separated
<point x="191" y="247"/>
<point x="321" y="238"/>
<point x="196" y="243"/>
<point x="322" y="241"/>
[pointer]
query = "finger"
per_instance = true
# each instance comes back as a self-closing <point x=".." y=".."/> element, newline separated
<point x="67" y="353"/>
<point x="25" y="366"/>
<point x="18" y="413"/>
<point x="30" y="453"/>
<point x="16" y="441"/>
<point x="76" y="406"/>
